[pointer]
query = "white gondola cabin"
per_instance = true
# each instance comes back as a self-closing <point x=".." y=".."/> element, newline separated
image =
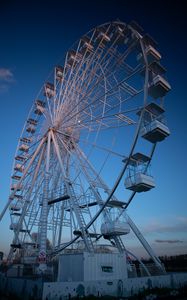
<point x="87" y="46"/>
<point x="115" y="228"/>
<point x="59" y="70"/>
<point x="103" y="36"/>
<point x="39" y="107"/>
<point x="154" y="128"/>
<point x="19" y="197"/>
<point x="19" y="167"/>
<point x="14" y="225"/>
<point x="24" y="147"/>
<point x="120" y="32"/>
<point x="31" y="127"/>
<point x="16" y="187"/>
<point x="49" y="90"/>
<point x="74" y="57"/>
<point x="155" y="131"/>
<point x="16" y="177"/>
<point x="20" y="158"/>
<point x="156" y="68"/>
<point x="26" y="140"/>
<point x="151" y="53"/>
<point x="32" y="121"/>
<point x="15" y="222"/>
<point x="138" y="178"/>
<point x="15" y="207"/>
<point x="158" y="87"/>
<point x="15" y="214"/>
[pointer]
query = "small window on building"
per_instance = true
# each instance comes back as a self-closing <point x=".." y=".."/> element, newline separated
<point x="109" y="282"/>
<point x="107" y="269"/>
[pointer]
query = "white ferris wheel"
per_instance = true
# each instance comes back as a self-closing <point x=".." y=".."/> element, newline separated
<point x="86" y="146"/>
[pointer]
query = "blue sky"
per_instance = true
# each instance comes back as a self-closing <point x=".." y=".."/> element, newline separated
<point x="36" y="35"/>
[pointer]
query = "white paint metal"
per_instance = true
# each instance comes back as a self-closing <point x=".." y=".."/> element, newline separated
<point x="92" y="266"/>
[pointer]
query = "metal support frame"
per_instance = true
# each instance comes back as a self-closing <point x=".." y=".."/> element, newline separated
<point x="73" y="200"/>
<point x="44" y="213"/>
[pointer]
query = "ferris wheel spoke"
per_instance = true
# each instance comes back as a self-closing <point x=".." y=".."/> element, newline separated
<point x="94" y="55"/>
<point x="112" y="107"/>
<point x="68" y="85"/>
<point x="81" y="101"/>
<point x="86" y="78"/>
<point x="109" y="90"/>
<point x="120" y="59"/>
<point x="77" y="91"/>
<point x="91" y="120"/>
<point x="71" y="71"/>
<point x="108" y="150"/>
<point x="108" y="121"/>
<point x="95" y="175"/>
<point x="86" y="107"/>
<point x="77" y="158"/>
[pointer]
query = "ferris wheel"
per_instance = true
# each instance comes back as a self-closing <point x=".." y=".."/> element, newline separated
<point x="86" y="146"/>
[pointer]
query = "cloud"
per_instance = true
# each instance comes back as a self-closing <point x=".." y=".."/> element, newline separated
<point x="169" y="241"/>
<point x="6" y="75"/>
<point x="6" y="79"/>
<point x="177" y="225"/>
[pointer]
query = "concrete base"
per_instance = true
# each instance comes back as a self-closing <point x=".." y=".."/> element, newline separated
<point x="37" y="289"/>
<point x="120" y="288"/>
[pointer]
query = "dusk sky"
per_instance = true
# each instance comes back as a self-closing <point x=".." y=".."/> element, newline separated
<point x="35" y="35"/>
